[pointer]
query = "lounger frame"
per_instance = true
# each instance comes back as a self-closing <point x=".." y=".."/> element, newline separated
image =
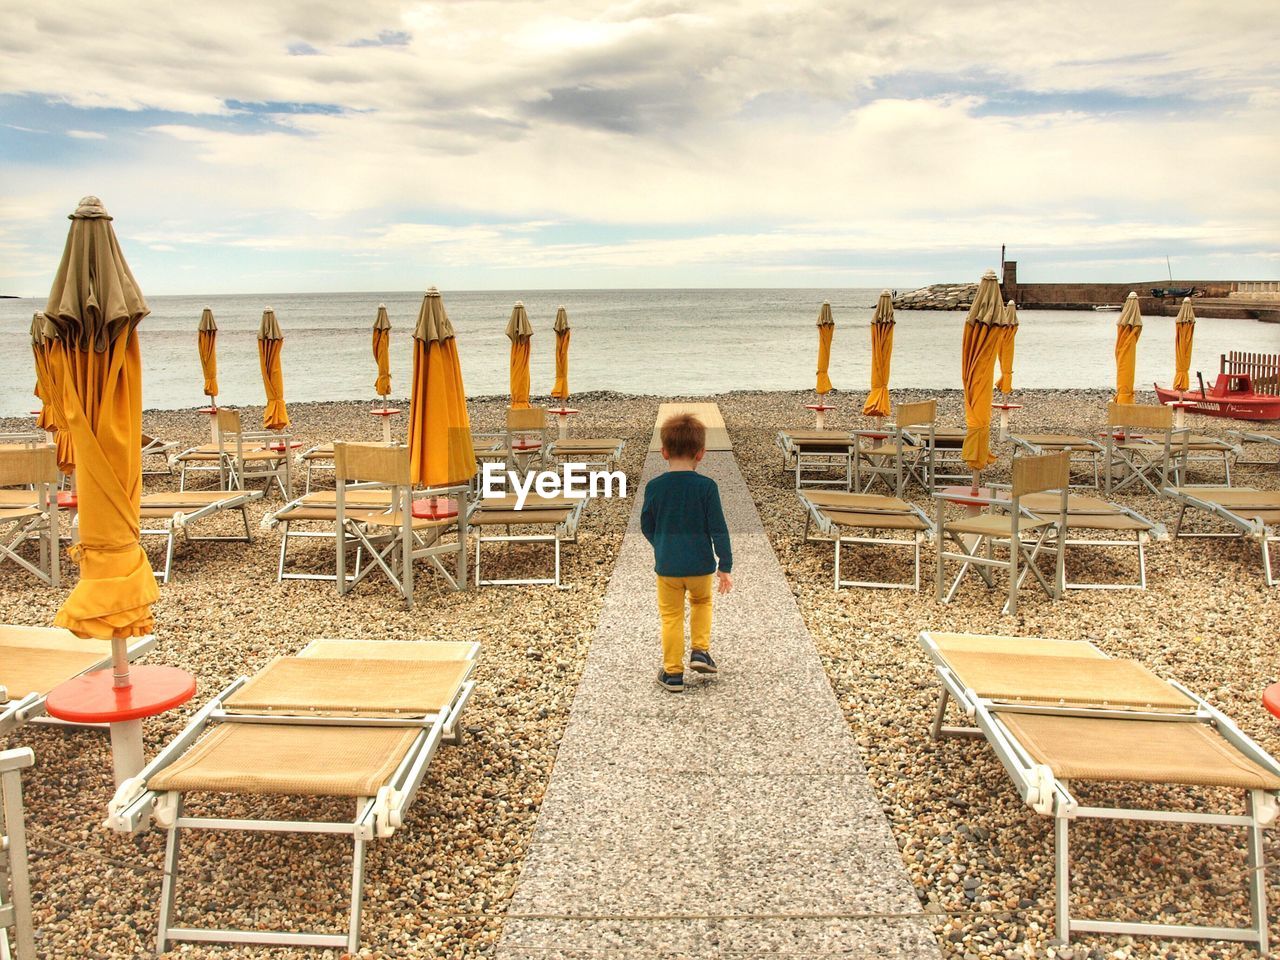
<point x="15" y="909"/>
<point x="182" y="521"/>
<point x="1246" y="529"/>
<point x="1049" y="796"/>
<point x="1265" y="437"/>
<point x="606" y="457"/>
<point x="814" y="462"/>
<point x="831" y="533"/>
<point x="565" y="531"/>
<point x="1088" y="452"/>
<point x="1139" y="543"/>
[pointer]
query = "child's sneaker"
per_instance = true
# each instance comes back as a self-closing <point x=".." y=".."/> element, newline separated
<point x="671" y="682"/>
<point x="700" y="661"/>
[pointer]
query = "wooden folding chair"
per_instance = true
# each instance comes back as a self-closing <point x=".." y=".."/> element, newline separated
<point x="528" y="436"/>
<point x="906" y="454"/>
<point x="252" y="454"/>
<point x="32" y="513"/>
<point x="1137" y="457"/>
<point x="1022" y="536"/>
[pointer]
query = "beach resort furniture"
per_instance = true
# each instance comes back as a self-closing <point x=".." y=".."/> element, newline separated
<point x="317" y="513"/>
<point x="1085" y="451"/>
<point x="15" y="903"/>
<point x="604" y="453"/>
<point x="1269" y="438"/>
<point x="943" y="447"/>
<point x="240" y="456"/>
<point x="30" y="512"/>
<point x="1112" y="525"/>
<point x="35" y="660"/>
<point x="1009" y="534"/>
<point x="899" y="455"/>
<point x="318" y="457"/>
<point x="409" y="530"/>
<point x="170" y="513"/>
<point x="1248" y="514"/>
<point x="1058" y="712"/>
<point x="152" y="448"/>
<point x="549" y="520"/>
<point x="344" y="718"/>
<point x="1140" y="458"/>
<point x="818" y="458"/>
<point x="527" y="436"/>
<point x="867" y="520"/>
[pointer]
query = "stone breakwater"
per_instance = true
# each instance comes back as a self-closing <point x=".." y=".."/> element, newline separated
<point x="938" y="296"/>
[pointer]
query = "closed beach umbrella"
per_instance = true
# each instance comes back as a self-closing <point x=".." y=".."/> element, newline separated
<point x="561" y="386"/>
<point x="43" y="389"/>
<point x="382" y="351"/>
<point x="270" y="342"/>
<point x="882" y="324"/>
<point x="520" y="332"/>
<point x="1186" y="331"/>
<point x="207" y="344"/>
<point x="977" y="370"/>
<point x="54" y="405"/>
<point x="95" y="306"/>
<point x="440" y="450"/>
<point x="1128" y="330"/>
<point x="1008" y="330"/>
<point x="826" y="331"/>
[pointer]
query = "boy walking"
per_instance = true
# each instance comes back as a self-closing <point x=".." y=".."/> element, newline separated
<point x="682" y="518"/>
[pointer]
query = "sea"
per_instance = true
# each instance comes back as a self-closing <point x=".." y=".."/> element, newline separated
<point x="658" y="342"/>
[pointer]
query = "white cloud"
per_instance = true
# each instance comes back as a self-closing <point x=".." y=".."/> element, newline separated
<point x="86" y="135"/>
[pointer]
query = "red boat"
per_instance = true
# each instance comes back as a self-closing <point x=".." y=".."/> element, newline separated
<point x="1232" y="396"/>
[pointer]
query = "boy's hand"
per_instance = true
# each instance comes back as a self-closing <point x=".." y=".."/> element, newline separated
<point x="724" y="582"/>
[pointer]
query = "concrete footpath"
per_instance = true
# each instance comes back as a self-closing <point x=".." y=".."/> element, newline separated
<point x="732" y="820"/>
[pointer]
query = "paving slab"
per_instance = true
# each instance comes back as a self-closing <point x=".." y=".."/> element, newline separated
<point x="733" y="820"/>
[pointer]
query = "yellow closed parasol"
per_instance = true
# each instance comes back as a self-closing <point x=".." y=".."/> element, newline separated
<point x="1128" y="330"/>
<point x="882" y="324"/>
<point x="520" y="332"/>
<point x="53" y="402"/>
<point x="207" y="345"/>
<point x="440" y="451"/>
<point x="826" y="332"/>
<point x="43" y="388"/>
<point x="560" y="388"/>
<point x="1186" y="332"/>
<point x="275" y="416"/>
<point x="977" y="370"/>
<point x="1008" y="330"/>
<point x="382" y="352"/>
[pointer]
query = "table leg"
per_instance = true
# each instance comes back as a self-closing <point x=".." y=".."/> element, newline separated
<point x="386" y="430"/>
<point x="1004" y="425"/>
<point x="126" y="749"/>
<point x="1179" y="417"/>
<point x="563" y="426"/>
<point x="820" y="419"/>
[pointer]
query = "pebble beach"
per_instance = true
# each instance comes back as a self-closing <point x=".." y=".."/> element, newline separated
<point x="980" y="861"/>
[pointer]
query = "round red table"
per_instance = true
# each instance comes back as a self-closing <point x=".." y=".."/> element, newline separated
<point x="562" y="414"/>
<point x="962" y="495"/>
<point x="94" y="698"/>
<point x="282" y="447"/>
<point x="819" y="414"/>
<point x="434" y="508"/>
<point x="386" y="413"/>
<point x="1271" y="698"/>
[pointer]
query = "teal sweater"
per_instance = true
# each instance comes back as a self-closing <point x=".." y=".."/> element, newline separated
<point x="682" y="518"/>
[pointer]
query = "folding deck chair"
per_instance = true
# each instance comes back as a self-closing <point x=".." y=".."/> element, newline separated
<point x="902" y="455"/>
<point x="945" y="447"/>
<point x="344" y="718"/>
<point x="34" y="660"/>
<point x="814" y="455"/>
<point x="30" y="515"/>
<point x="857" y="518"/>
<point x="1253" y="515"/>
<point x="240" y="455"/>
<point x="318" y="514"/>
<point x="15" y="903"/>
<point x="179" y="511"/>
<point x="977" y="538"/>
<point x="152" y="447"/>
<point x="1085" y="451"/>
<point x="408" y="530"/>
<point x="1108" y="520"/>
<point x="1057" y="711"/>
<point x="552" y="520"/>
<point x="1138" y="458"/>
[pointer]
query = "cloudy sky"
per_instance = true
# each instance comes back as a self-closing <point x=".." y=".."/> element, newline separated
<point x="309" y="145"/>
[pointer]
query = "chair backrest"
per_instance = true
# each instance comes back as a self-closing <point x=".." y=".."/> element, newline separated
<point x="533" y="418"/>
<point x="915" y="414"/>
<point x="371" y="463"/>
<point x="20" y="466"/>
<point x="1141" y="415"/>
<point x="1050" y="471"/>
<point x="228" y="420"/>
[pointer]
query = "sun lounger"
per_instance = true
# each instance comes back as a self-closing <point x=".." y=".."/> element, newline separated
<point x="318" y="514"/>
<point x="153" y="447"/>
<point x="866" y="519"/>
<point x="239" y="456"/>
<point x="345" y="718"/>
<point x="179" y="511"/>
<point x="1269" y="438"/>
<point x="1084" y="450"/>
<point x="815" y="455"/>
<point x="1059" y="711"/>
<point x="1116" y="526"/>
<point x="602" y="452"/>
<point x="552" y="520"/>
<point x="1251" y="514"/>
<point x="318" y="457"/>
<point x="15" y="907"/>
<point x="34" y="660"/>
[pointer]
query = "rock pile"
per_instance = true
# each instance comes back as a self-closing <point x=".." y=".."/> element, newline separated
<point x="938" y="296"/>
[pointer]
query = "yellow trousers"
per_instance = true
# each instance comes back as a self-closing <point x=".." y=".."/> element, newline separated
<point x="671" y="595"/>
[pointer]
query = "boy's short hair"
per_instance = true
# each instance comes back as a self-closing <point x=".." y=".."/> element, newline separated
<point x="683" y="436"/>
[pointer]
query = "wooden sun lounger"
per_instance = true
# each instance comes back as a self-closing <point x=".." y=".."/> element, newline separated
<point x="813" y="455"/>
<point x="861" y="518"/>
<point x="345" y="718"/>
<point x="1058" y="711"/>
<point x="552" y="520"/>
<point x="178" y="511"/>
<point x="1111" y="521"/>
<point x="34" y="660"/>
<point x="1252" y="514"/>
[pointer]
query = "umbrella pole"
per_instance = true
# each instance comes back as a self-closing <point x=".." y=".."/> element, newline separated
<point x="386" y="423"/>
<point x="126" y="735"/>
<point x="977" y="477"/>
